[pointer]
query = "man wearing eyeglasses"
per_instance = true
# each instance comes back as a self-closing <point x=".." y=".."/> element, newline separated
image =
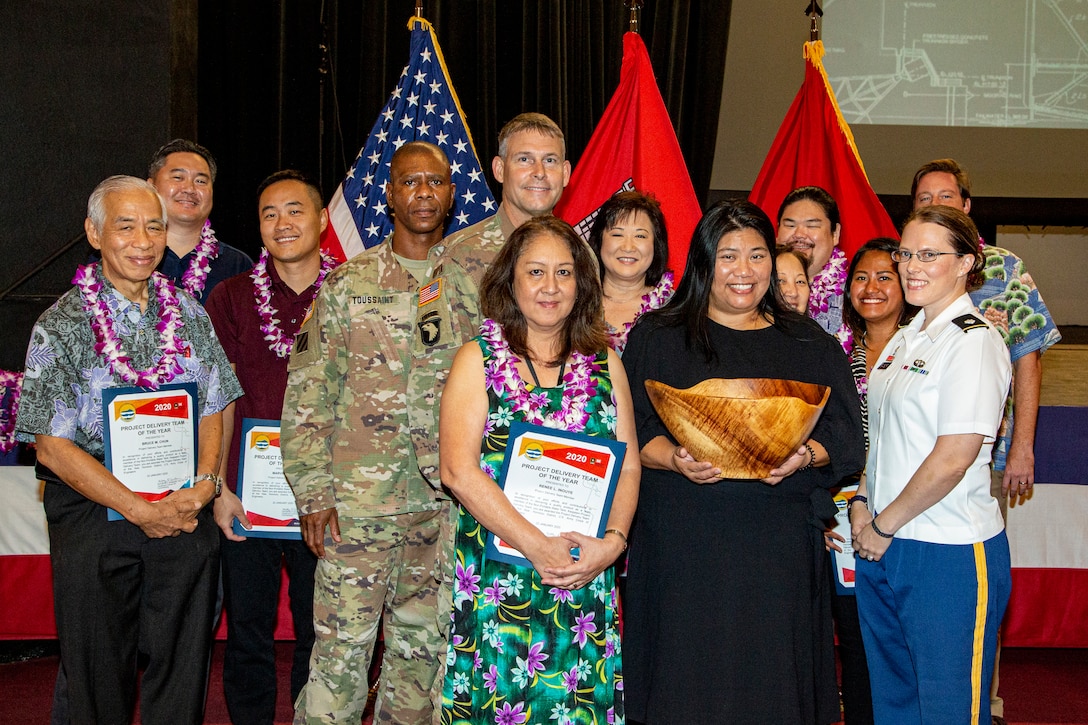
<point x="1009" y="299"/>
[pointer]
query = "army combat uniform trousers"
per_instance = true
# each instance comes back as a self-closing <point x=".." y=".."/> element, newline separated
<point x="384" y="571"/>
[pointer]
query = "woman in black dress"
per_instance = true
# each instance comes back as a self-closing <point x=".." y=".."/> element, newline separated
<point x="727" y="615"/>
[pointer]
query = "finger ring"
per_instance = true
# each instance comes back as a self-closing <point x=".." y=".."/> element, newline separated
<point x="870" y="557"/>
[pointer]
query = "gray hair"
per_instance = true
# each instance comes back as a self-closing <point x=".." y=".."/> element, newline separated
<point x="96" y="205"/>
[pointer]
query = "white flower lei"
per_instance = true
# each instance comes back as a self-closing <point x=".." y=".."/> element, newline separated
<point x="828" y="282"/>
<point x="653" y="300"/>
<point x="206" y="251"/>
<point x="108" y="344"/>
<point x="502" y="375"/>
<point x="278" y="342"/>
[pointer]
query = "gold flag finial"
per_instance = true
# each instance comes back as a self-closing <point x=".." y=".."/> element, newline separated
<point x="634" y="6"/>
<point x="814" y="12"/>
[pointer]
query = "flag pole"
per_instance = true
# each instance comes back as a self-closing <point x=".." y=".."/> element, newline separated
<point x="419" y="9"/>
<point x="814" y="12"/>
<point x="634" y="6"/>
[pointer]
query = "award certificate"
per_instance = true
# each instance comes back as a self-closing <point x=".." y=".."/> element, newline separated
<point x="843" y="561"/>
<point x="265" y="495"/>
<point x="559" y="481"/>
<point x="150" y="438"/>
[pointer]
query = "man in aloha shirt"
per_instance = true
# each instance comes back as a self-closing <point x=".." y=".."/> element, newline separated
<point x="1009" y="299"/>
<point x="147" y="582"/>
<point x="808" y="223"/>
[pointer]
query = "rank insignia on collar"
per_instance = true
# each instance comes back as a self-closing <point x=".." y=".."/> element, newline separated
<point x="968" y="322"/>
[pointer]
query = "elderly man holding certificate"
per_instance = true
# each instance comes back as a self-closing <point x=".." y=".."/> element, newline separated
<point x="147" y="581"/>
<point x="542" y="634"/>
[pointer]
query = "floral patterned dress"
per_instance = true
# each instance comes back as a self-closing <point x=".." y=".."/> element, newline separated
<point x="521" y="652"/>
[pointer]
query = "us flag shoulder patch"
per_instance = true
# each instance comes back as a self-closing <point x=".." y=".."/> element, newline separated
<point x="430" y="293"/>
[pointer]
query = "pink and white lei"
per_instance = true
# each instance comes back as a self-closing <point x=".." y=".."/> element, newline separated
<point x="10" y="381"/>
<point x="278" y="341"/>
<point x="206" y="251"/>
<point x="108" y="344"/>
<point x="653" y="300"/>
<point x="828" y="282"/>
<point x="502" y="375"/>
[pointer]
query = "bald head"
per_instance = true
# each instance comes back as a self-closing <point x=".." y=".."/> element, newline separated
<point x="420" y="196"/>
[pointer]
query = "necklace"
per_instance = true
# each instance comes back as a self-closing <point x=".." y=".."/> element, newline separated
<point x="828" y="282"/>
<point x="12" y="382"/>
<point x="502" y="376"/>
<point x="108" y="344"/>
<point x="206" y="251"/>
<point x="536" y="380"/>
<point x="278" y="342"/>
<point x="655" y="299"/>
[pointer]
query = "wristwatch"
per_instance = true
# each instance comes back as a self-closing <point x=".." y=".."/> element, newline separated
<point x="214" y="479"/>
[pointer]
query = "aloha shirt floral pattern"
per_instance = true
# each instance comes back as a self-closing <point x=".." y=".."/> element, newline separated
<point x="1011" y="302"/>
<point x="65" y="377"/>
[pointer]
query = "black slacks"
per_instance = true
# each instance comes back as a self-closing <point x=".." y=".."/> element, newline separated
<point x="116" y="590"/>
<point x="251" y="585"/>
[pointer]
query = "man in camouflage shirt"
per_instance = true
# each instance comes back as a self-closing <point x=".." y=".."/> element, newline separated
<point x="533" y="169"/>
<point x="361" y="455"/>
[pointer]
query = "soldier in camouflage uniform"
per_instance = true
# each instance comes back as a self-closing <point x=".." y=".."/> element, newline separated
<point x="359" y="450"/>
<point x="533" y="169"/>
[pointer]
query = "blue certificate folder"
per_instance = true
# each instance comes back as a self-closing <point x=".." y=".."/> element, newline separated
<point x="292" y="530"/>
<point x="558" y="460"/>
<point x="111" y="394"/>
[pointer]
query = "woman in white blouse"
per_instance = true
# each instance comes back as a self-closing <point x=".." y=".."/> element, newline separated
<point x="933" y="575"/>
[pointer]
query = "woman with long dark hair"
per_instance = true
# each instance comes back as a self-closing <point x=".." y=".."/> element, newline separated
<point x="727" y="613"/>
<point x="874" y="311"/>
<point x="541" y="638"/>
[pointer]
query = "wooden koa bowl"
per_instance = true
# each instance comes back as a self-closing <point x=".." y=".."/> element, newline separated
<point x="745" y="426"/>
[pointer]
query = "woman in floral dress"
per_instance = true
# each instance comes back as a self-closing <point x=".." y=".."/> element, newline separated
<point x="536" y="643"/>
<point x="632" y="246"/>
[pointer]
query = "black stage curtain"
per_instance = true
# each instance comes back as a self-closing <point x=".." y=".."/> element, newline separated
<point x="270" y="97"/>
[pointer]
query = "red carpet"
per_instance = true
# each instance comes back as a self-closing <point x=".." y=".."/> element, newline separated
<point x="1040" y="687"/>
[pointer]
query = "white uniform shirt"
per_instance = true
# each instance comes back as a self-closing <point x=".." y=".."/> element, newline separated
<point x="951" y="378"/>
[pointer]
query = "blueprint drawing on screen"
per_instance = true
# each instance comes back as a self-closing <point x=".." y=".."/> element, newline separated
<point x="999" y="63"/>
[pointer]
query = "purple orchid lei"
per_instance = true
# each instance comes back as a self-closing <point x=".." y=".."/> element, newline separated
<point x="108" y="344"/>
<point x="13" y="382"/>
<point x="653" y="300"/>
<point x="828" y="282"/>
<point x="278" y="342"/>
<point x="578" y="384"/>
<point x="206" y="251"/>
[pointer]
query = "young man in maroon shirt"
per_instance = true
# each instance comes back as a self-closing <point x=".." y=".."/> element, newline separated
<point x="256" y="315"/>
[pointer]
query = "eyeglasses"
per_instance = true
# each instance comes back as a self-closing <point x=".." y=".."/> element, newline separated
<point x="925" y="255"/>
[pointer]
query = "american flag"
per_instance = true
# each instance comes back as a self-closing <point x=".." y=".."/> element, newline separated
<point x="430" y="293"/>
<point x="423" y="107"/>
